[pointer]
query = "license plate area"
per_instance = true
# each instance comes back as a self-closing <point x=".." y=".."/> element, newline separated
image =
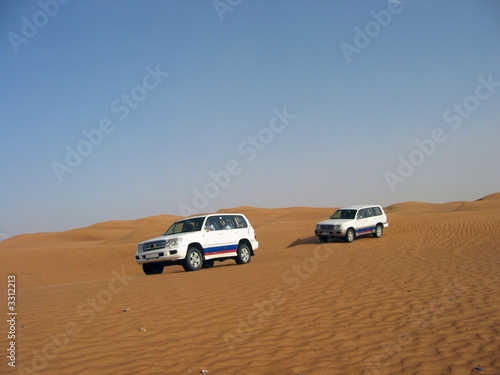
<point x="152" y="256"/>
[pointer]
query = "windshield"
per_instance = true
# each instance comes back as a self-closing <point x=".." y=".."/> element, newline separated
<point x="183" y="226"/>
<point x="344" y="214"/>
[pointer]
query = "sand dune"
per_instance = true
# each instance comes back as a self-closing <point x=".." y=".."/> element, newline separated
<point x="423" y="299"/>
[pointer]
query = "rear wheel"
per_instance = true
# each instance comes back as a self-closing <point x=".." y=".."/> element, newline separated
<point x="323" y="239"/>
<point x="152" y="268"/>
<point x="193" y="260"/>
<point x="244" y="254"/>
<point x="349" y="236"/>
<point x="379" y="231"/>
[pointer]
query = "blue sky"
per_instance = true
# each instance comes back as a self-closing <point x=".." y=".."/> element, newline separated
<point x="175" y="93"/>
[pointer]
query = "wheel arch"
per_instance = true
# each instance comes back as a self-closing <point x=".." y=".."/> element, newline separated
<point x="198" y="246"/>
<point x="246" y="242"/>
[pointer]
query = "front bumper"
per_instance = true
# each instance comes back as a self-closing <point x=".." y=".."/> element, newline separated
<point x="163" y="255"/>
<point x="330" y="233"/>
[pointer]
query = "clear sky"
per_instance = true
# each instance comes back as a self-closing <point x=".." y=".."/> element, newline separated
<point x="127" y="109"/>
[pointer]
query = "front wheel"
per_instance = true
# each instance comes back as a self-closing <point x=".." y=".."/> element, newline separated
<point x="378" y="231"/>
<point x="193" y="260"/>
<point x="244" y="254"/>
<point x="349" y="236"/>
<point x="152" y="268"/>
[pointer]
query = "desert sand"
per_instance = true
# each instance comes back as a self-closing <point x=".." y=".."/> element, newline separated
<point x="423" y="299"/>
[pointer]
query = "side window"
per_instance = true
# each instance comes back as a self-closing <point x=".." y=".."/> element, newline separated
<point x="213" y="222"/>
<point x="226" y="222"/>
<point x="240" y="222"/>
<point x="347" y="214"/>
<point x="369" y="212"/>
<point x="377" y="211"/>
<point x="361" y="214"/>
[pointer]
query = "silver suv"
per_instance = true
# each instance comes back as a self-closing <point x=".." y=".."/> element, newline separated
<point x="198" y="242"/>
<point x="350" y="222"/>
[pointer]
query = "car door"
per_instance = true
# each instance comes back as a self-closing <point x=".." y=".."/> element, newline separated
<point x="371" y="220"/>
<point x="241" y="230"/>
<point x="231" y="234"/>
<point x="363" y="223"/>
<point x="377" y="215"/>
<point x="214" y="236"/>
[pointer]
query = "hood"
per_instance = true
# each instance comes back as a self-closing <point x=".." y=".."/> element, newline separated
<point x="161" y="238"/>
<point x="335" y="221"/>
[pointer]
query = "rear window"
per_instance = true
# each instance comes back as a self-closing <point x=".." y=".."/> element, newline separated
<point x="240" y="221"/>
<point x="377" y="211"/>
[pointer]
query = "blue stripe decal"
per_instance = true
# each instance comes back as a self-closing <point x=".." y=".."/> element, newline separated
<point x="221" y="249"/>
<point x="370" y="229"/>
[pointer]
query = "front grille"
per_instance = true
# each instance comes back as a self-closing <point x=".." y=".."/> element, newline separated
<point x="148" y="246"/>
<point x="326" y="227"/>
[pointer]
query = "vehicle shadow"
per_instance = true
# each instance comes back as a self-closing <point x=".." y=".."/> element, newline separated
<point x="312" y="240"/>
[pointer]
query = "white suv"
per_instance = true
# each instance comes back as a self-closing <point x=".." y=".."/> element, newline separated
<point x="350" y="222"/>
<point x="199" y="241"/>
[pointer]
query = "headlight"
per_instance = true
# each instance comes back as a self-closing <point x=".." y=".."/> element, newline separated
<point x="139" y="247"/>
<point x="174" y="242"/>
<point x="318" y="227"/>
<point x="338" y="227"/>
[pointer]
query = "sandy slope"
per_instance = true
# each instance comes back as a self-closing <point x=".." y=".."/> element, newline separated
<point x="423" y="299"/>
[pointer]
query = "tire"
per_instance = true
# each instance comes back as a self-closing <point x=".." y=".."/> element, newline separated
<point x="193" y="260"/>
<point x="244" y="254"/>
<point x="350" y="235"/>
<point x="208" y="263"/>
<point x="152" y="268"/>
<point x="379" y="231"/>
<point x="323" y="239"/>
